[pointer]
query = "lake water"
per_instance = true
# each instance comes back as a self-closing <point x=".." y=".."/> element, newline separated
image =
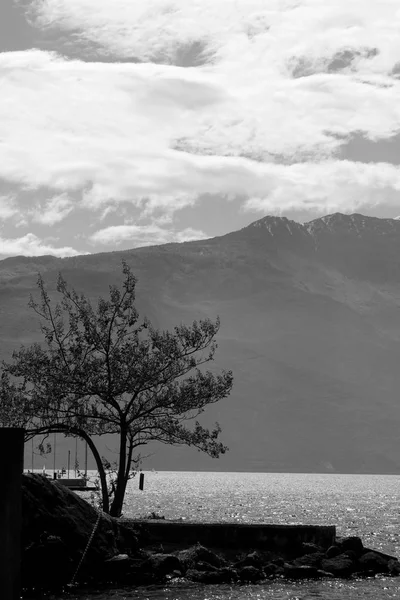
<point x="363" y="505"/>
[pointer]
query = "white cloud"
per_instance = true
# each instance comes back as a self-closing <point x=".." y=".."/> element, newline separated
<point x="143" y="235"/>
<point x="238" y="31"/>
<point x="8" y="207"/>
<point x="330" y="186"/>
<point x="100" y="125"/>
<point x="54" y="210"/>
<point x="31" y="245"/>
<point x="158" y="136"/>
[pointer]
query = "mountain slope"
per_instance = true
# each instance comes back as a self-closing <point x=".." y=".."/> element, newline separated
<point x="309" y="324"/>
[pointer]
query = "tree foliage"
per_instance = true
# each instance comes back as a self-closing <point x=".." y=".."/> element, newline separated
<point x="102" y="370"/>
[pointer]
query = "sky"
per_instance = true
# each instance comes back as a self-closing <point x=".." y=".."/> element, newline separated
<point x="130" y="123"/>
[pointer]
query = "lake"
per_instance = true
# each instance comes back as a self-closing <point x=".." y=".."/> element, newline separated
<point x="363" y="505"/>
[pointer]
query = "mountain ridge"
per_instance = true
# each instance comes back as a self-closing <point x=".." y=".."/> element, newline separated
<point x="268" y="222"/>
<point x="309" y="325"/>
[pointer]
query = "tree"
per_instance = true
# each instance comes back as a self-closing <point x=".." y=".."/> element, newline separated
<point x="102" y="371"/>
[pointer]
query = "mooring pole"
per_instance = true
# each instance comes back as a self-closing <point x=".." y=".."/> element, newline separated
<point x="12" y="457"/>
<point x="141" y="481"/>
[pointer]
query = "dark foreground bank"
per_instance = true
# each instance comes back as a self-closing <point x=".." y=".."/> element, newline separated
<point x="66" y="541"/>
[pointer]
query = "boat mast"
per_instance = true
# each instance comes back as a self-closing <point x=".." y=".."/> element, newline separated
<point x="76" y="454"/>
<point x="86" y="459"/>
<point x="54" y="457"/>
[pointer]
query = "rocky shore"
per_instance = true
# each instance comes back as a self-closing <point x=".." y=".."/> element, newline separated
<point x="66" y="540"/>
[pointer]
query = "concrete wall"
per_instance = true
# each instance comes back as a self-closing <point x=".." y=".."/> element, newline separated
<point x="284" y="539"/>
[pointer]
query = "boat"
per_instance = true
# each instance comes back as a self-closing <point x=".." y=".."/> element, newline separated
<point x="78" y="484"/>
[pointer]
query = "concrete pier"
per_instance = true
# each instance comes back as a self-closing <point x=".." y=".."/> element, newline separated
<point x="12" y="458"/>
<point x="283" y="539"/>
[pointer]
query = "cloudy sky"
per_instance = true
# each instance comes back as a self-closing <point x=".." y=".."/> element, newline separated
<point x="126" y="123"/>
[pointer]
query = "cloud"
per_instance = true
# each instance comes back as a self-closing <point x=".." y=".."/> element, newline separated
<point x="54" y="210"/>
<point x="330" y="186"/>
<point x="31" y="245"/>
<point x="233" y="31"/>
<point x="102" y="128"/>
<point x="277" y="84"/>
<point x="143" y="235"/>
<point x="8" y="207"/>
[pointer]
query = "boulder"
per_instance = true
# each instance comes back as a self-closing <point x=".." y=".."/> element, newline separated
<point x="333" y="551"/>
<point x="353" y="543"/>
<point x="351" y="554"/>
<point x="309" y="548"/>
<point x="162" y="564"/>
<point x="272" y="570"/>
<point x="394" y="567"/>
<point x="119" y="569"/>
<point x="190" y="557"/>
<point x="56" y="527"/>
<point x="310" y="560"/>
<point x="49" y="561"/>
<point x="251" y="560"/>
<point x="373" y="561"/>
<point x="223" y="575"/>
<point x="362" y="574"/>
<point x="324" y="574"/>
<point x="204" y="566"/>
<point x="250" y="574"/>
<point x="300" y="572"/>
<point x="340" y="566"/>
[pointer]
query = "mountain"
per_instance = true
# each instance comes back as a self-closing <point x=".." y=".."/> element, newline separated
<point x="310" y="325"/>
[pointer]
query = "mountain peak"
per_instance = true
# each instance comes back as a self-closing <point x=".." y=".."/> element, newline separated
<point x="355" y="223"/>
<point x="274" y="224"/>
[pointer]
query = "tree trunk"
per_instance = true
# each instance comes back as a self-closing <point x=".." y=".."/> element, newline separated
<point x="118" y="500"/>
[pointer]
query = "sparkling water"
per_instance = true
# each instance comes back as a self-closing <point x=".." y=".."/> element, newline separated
<point x="363" y="505"/>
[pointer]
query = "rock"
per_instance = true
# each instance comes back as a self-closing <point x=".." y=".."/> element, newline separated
<point x="340" y="566"/>
<point x="309" y="548"/>
<point x="310" y="560"/>
<point x="351" y="554"/>
<point x="300" y="572"/>
<point x="174" y="575"/>
<point x="272" y="570"/>
<point x="251" y="560"/>
<point x="333" y="551"/>
<point x="363" y="574"/>
<point x="278" y="561"/>
<point x="250" y="574"/>
<point x="117" y="569"/>
<point x="47" y="556"/>
<point x="190" y="557"/>
<point x="223" y="575"/>
<point x="118" y="558"/>
<point x="163" y="564"/>
<point x="324" y="574"/>
<point x="127" y="536"/>
<point x="372" y="561"/>
<point x="56" y="527"/>
<point x="204" y="566"/>
<point x="394" y="567"/>
<point x="351" y="543"/>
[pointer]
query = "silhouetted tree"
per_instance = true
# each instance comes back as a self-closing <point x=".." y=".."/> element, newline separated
<point x="102" y="371"/>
